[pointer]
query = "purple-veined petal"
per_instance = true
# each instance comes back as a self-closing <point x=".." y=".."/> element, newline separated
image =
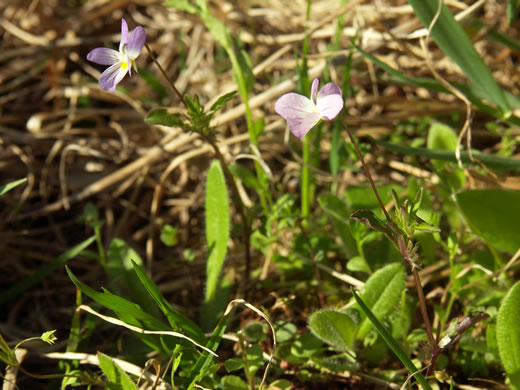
<point x="314" y="89"/>
<point x="103" y="56"/>
<point x="329" y="89"/>
<point x="330" y="106"/>
<point x="293" y="106"/>
<point x="112" y="76"/>
<point x="301" y="126"/>
<point x="135" y="42"/>
<point x="124" y="34"/>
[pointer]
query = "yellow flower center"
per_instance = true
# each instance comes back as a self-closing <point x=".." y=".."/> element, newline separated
<point x="124" y="65"/>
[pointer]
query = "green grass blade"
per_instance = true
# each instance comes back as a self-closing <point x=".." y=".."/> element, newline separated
<point x="451" y="38"/>
<point x="491" y="161"/>
<point x="45" y="271"/>
<point x="508" y="335"/>
<point x="9" y="186"/>
<point x="474" y="94"/>
<point x="117" y="304"/>
<point x="177" y="320"/>
<point x="392" y="343"/>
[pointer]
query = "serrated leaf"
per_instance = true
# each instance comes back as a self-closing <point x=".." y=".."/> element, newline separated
<point x="117" y="378"/>
<point x="334" y="327"/>
<point x="508" y="335"/>
<point x="9" y="186"/>
<point x="382" y="294"/>
<point x="497" y="222"/>
<point x="162" y="117"/>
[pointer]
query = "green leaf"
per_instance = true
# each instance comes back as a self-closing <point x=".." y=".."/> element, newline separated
<point x="217" y="235"/>
<point x="222" y="101"/>
<point x="9" y="186"/>
<point x="175" y="318"/>
<point x="443" y="137"/>
<point x="391" y="342"/>
<point x="117" y="378"/>
<point x="233" y="364"/>
<point x="117" y="304"/>
<point x="232" y="382"/>
<point x="169" y="235"/>
<point x="162" y="117"/>
<point x="44" y="271"/>
<point x="245" y="175"/>
<point x="338" y="212"/>
<point x="382" y="294"/>
<point x="334" y="327"/>
<point x="493" y="214"/>
<point x="255" y="331"/>
<point x="451" y="38"/>
<point x="285" y="330"/>
<point x="508" y="334"/>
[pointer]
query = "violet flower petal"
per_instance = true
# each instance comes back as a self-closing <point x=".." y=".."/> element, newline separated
<point x="301" y="126"/>
<point x="294" y="106"/>
<point x="329" y="89"/>
<point x="124" y="34"/>
<point x="103" y="56"/>
<point x="330" y="106"/>
<point x="135" y="42"/>
<point x="112" y="76"/>
<point x="314" y="89"/>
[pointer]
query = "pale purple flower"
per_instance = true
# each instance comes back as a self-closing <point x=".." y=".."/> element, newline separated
<point x="121" y="62"/>
<point x="302" y="113"/>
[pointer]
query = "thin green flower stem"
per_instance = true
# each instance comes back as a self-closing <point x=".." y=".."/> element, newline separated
<point x="306" y="174"/>
<point x="247" y="371"/>
<point x="402" y="249"/>
<point x="172" y="85"/>
<point x="321" y="295"/>
<point x="238" y="203"/>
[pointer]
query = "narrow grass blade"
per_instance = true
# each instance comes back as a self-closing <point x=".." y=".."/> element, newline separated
<point x="9" y="186"/>
<point x="45" y="271"/>
<point x="392" y="343"/>
<point x="491" y="161"/>
<point x="177" y="320"/>
<point x="451" y="38"/>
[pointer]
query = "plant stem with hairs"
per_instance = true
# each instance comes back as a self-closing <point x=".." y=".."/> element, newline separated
<point x="227" y="173"/>
<point x="403" y="250"/>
